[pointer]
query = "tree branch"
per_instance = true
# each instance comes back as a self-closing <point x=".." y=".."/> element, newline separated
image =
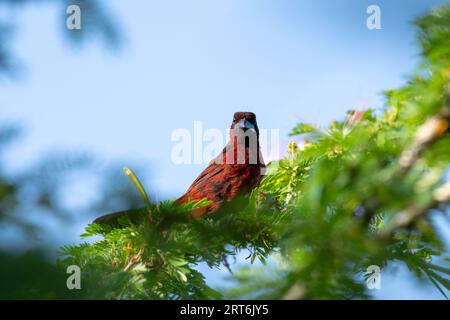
<point x="433" y="128"/>
<point x="406" y="217"/>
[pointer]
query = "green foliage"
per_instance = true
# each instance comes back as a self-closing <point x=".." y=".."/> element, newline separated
<point x="302" y="128"/>
<point x="350" y="182"/>
<point x="360" y="192"/>
<point x="154" y="259"/>
<point x="31" y="276"/>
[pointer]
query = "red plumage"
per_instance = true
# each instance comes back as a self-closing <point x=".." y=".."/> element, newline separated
<point x="236" y="171"/>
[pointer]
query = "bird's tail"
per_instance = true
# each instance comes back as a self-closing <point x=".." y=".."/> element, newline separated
<point x="134" y="215"/>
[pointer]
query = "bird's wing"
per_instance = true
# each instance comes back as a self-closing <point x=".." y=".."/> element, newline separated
<point x="211" y="171"/>
<point x="206" y="184"/>
<point x="213" y="168"/>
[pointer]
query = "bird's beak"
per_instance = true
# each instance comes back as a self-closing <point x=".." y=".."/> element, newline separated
<point x="244" y="125"/>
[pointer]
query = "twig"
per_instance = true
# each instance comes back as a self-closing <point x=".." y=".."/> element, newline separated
<point x="133" y="259"/>
<point x="296" y="292"/>
<point x="406" y="217"/>
<point x="428" y="133"/>
<point x="433" y="128"/>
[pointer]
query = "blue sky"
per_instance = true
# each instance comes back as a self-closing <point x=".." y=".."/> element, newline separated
<point x="182" y="61"/>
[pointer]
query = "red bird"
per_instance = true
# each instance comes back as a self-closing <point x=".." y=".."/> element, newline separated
<point x="236" y="171"/>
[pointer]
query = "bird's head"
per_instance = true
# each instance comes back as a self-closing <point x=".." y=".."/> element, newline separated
<point x="244" y="121"/>
<point x="244" y="130"/>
